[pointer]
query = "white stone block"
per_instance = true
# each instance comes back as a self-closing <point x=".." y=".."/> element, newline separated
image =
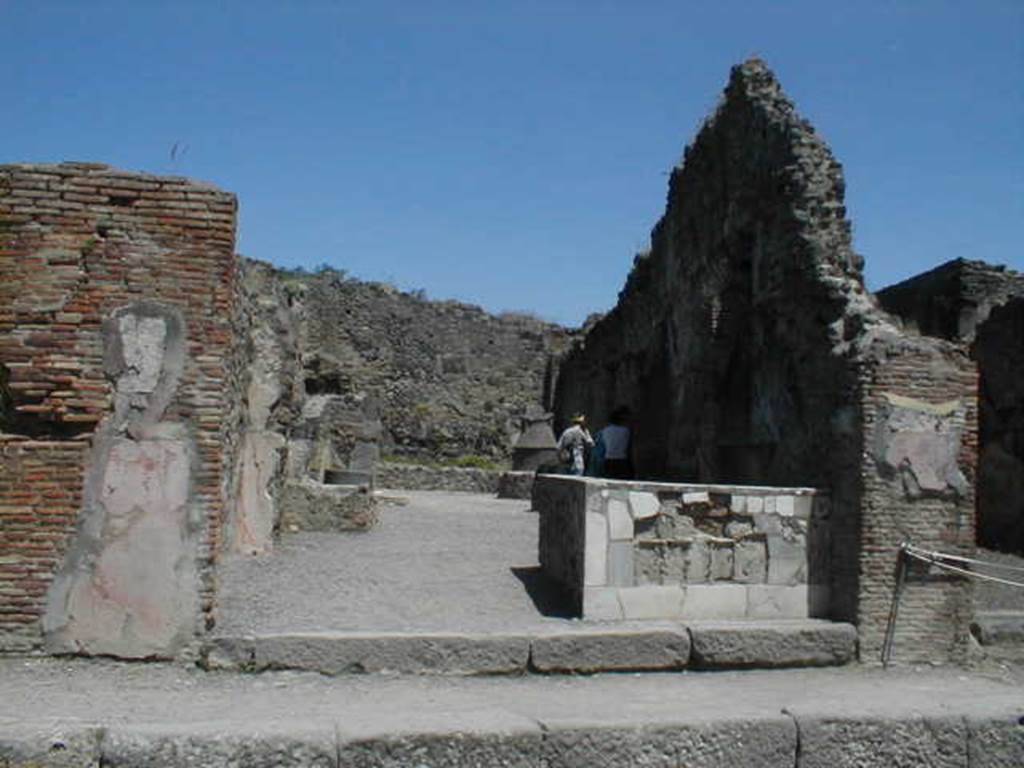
<point x="784" y="506"/>
<point x="652" y="602"/>
<point x="595" y="572"/>
<point x="769" y="504"/>
<point x="620" y="522"/>
<point x="715" y="601"/>
<point x="643" y="506"/>
<point x="738" y="503"/>
<point x="696" y="497"/>
<point x="601" y="604"/>
<point x="620" y="563"/>
<point x="802" y="506"/>
<point x="770" y="601"/>
<point x="755" y="505"/>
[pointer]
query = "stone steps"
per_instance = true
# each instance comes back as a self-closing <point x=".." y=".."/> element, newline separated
<point x="640" y="646"/>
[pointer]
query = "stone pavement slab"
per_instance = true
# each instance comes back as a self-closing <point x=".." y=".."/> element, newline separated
<point x="80" y="712"/>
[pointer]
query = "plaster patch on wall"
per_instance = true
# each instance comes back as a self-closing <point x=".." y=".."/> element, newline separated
<point x="919" y="443"/>
<point x="129" y="584"/>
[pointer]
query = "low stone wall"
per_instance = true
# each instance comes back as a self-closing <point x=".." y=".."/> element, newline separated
<point x="634" y="550"/>
<point x="515" y="485"/>
<point x="416" y="477"/>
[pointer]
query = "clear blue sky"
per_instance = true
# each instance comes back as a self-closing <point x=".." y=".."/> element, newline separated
<point x="514" y="154"/>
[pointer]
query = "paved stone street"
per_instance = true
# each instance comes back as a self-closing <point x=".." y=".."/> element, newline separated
<point x="58" y="712"/>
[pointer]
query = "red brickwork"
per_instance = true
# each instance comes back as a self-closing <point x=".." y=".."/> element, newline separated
<point x="78" y="240"/>
<point x="935" y="608"/>
<point x="40" y="492"/>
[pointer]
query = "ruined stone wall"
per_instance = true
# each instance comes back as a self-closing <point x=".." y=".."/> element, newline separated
<point x="450" y="379"/>
<point x="952" y="300"/>
<point x="117" y="295"/>
<point x="749" y="352"/>
<point x="982" y="305"/>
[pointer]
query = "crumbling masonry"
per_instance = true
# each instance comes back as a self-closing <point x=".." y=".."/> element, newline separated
<point x="117" y="304"/>
<point x="750" y="352"/>
<point x="160" y="396"/>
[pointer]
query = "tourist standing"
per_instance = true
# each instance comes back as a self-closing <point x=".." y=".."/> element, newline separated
<point x="617" y="442"/>
<point x="574" y="443"/>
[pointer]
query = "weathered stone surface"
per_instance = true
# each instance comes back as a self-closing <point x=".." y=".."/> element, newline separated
<point x="49" y="745"/>
<point x="610" y="651"/>
<point x="130" y="585"/>
<point x="762" y="742"/>
<point x="774" y="601"/>
<point x="602" y="604"/>
<point x="750" y="353"/>
<point x="515" y="485"/>
<point x="415" y="477"/>
<point x="715" y="601"/>
<point x="652" y="602"/>
<point x="795" y="644"/>
<point x="451" y="379"/>
<point x="997" y="627"/>
<point x="335" y="654"/>
<point x="995" y="742"/>
<point x="512" y="746"/>
<point x="256" y="513"/>
<point x="199" y="745"/>
<point x="307" y="505"/>
<point x="839" y="742"/>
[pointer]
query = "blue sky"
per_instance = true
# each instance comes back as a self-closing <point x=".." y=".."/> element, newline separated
<point x="515" y="154"/>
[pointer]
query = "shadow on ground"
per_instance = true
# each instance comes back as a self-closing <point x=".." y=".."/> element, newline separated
<point x="550" y="598"/>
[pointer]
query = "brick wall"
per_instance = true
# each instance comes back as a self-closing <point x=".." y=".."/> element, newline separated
<point x="78" y="241"/>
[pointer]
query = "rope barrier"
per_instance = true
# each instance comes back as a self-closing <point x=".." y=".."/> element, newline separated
<point x="961" y="559"/>
<point x="936" y="559"/>
<point x="939" y="560"/>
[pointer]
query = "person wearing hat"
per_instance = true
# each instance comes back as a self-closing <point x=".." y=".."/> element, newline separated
<point x="574" y="442"/>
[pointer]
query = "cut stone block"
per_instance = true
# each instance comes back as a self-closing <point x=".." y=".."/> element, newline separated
<point x="721" y="561"/>
<point x="755" y="505"/>
<point x="770" y="601"/>
<point x="620" y="563"/>
<point x="586" y="652"/>
<point x="595" y="563"/>
<point x="647" y="564"/>
<point x="698" y="562"/>
<point x="715" y="601"/>
<point x="749" y="561"/>
<point x="802" y="507"/>
<point x="620" y="522"/>
<point x="696" y="497"/>
<point x="652" y="602"/>
<point x="340" y="653"/>
<point x="787" y="559"/>
<point x="643" y="505"/>
<point x="601" y="604"/>
<point x="784" y="506"/>
<point x="788" y="644"/>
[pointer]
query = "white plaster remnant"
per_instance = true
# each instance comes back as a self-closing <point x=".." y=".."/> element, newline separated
<point x="620" y="522"/>
<point x="595" y="559"/>
<point x="643" y="505"/>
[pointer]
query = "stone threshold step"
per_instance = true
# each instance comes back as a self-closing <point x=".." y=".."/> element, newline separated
<point x="999" y="627"/>
<point x="652" y="646"/>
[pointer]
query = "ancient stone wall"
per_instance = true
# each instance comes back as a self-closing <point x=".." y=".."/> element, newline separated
<point x="450" y="379"/>
<point x="117" y="319"/>
<point x="749" y="352"/>
<point x="981" y="305"/>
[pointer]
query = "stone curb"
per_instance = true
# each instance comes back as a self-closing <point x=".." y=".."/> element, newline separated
<point x="579" y="651"/>
<point x="503" y="738"/>
<point x="725" y="646"/>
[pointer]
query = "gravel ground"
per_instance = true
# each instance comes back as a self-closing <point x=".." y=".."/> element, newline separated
<point x="443" y="562"/>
